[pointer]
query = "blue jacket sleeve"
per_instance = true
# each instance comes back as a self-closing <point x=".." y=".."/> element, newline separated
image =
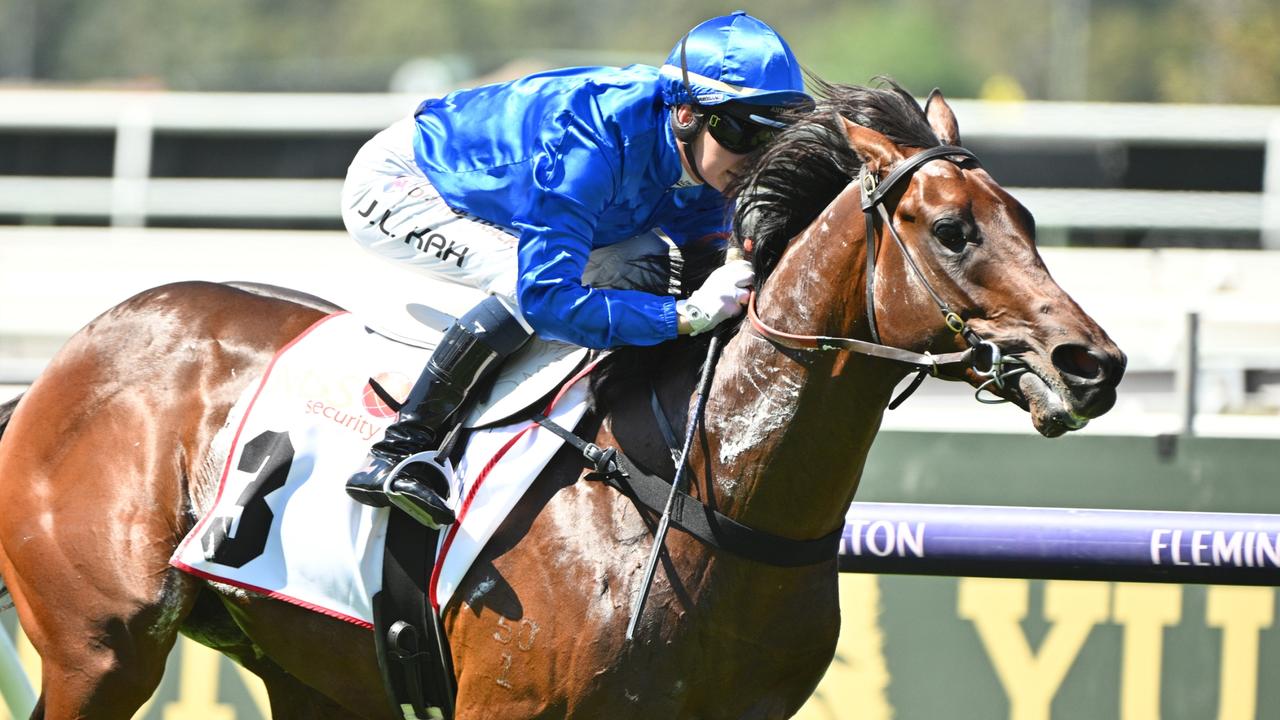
<point x="575" y="178"/>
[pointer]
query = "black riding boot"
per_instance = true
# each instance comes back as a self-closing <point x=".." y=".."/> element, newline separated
<point x="471" y="347"/>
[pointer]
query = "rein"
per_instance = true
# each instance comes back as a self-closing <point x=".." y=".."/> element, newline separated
<point x="982" y="356"/>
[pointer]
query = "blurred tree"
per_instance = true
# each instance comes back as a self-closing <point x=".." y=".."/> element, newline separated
<point x="1005" y="39"/>
<point x="907" y="41"/>
<point x="1131" y="50"/>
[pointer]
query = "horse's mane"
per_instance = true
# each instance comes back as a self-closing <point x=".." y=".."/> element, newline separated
<point x="781" y="190"/>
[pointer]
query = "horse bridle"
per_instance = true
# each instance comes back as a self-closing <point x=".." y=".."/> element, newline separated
<point x="980" y="352"/>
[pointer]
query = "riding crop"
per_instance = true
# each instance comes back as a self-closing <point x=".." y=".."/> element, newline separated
<point x="660" y="536"/>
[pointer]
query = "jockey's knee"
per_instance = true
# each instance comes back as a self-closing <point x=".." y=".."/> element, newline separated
<point x="498" y="324"/>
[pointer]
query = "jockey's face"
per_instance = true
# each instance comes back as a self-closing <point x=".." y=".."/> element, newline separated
<point x="716" y="164"/>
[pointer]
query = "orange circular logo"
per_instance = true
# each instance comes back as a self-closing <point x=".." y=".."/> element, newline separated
<point x="396" y="385"/>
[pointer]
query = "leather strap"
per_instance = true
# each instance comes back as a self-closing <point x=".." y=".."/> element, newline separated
<point x="664" y="425"/>
<point x="823" y="342"/>
<point x="873" y="196"/>
<point x="687" y="142"/>
<point x="385" y="396"/>
<point x="713" y="528"/>
<point x="614" y="469"/>
<point x="870" y="283"/>
<point x="413" y="654"/>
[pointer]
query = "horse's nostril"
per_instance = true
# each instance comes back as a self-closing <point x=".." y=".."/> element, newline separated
<point x="1078" y="361"/>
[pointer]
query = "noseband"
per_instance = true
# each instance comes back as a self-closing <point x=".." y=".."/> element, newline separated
<point x="983" y="356"/>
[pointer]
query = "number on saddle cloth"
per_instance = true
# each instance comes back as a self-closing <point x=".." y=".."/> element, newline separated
<point x="270" y="456"/>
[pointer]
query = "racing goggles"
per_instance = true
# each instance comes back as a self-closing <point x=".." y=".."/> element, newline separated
<point x="741" y="130"/>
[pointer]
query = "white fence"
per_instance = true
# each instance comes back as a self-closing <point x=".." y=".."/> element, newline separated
<point x="130" y="195"/>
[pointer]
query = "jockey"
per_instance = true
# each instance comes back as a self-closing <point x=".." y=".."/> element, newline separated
<point x="509" y="187"/>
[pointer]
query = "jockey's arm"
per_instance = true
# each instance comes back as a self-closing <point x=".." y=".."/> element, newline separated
<point x="558" y="306"/>
<point x="573" y="186"/>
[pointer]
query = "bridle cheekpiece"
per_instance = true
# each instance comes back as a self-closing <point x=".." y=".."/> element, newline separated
<point x="983" y="356"/>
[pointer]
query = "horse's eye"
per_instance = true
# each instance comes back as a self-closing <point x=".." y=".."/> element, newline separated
<point x="950" y="232"/>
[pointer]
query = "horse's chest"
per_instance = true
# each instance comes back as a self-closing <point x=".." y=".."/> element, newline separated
<point x="542" y="628"/>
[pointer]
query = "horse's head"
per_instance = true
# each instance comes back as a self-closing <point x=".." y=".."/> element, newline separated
<point x="974" y="246"/>
<point x="952" y="264"/>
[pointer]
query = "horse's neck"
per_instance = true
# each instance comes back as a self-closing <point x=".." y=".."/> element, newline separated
<point x="789" y="431"/>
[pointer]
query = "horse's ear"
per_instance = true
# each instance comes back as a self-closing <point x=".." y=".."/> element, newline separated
<point x="876" y="151"/>
<point x="941" y="119"/>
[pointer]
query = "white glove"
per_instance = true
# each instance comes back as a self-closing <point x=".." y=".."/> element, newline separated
<point x="721" y="297"/>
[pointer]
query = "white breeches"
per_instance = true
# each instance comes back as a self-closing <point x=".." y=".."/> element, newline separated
<point x="390" y="207"/>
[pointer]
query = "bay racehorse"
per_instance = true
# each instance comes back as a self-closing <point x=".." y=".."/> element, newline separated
<point x="105" y="456"/>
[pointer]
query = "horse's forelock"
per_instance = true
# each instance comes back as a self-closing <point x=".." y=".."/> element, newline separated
<point x="888" y="109"/>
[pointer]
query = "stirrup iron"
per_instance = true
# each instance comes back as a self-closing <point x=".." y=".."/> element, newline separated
<point x="404" y="501"/>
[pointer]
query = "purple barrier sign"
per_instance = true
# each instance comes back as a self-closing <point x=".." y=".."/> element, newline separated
<point x="1061" y="543"/>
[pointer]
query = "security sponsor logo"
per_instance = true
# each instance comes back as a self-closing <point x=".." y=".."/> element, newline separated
<point x="347" y="419"/>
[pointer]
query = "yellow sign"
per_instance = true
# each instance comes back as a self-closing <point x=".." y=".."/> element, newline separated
<point x="994" y="612"/>
<point x="856" y="685"/>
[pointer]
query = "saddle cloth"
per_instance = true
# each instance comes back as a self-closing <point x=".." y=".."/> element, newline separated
<point x="282" y="524"/>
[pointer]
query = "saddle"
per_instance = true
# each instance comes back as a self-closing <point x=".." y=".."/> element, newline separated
<point x="280" y="522"/>
<point x="530" y="374"/>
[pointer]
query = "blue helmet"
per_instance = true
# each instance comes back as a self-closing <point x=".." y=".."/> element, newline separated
<point x="730" y="58"/>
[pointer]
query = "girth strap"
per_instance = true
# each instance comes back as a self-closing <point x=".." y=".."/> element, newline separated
<point x="689" y="514"/>
<point x="717" y="530"/>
